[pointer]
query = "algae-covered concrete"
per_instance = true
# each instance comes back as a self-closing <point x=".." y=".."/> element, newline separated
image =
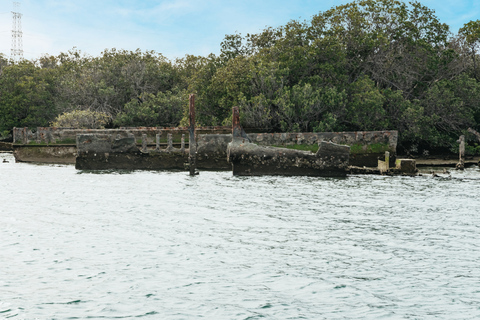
<point x="57" y="135"/>
<point x="103" y="152"/>
<point x="365" y="147"/>
<point x="45" y="154"/>
<point x="249" y="159"/>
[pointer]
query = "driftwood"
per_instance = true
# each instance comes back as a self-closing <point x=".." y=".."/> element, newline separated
<point x="249" y="159"/>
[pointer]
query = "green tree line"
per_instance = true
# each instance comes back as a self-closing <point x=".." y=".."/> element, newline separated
<point x="366" y="65"/>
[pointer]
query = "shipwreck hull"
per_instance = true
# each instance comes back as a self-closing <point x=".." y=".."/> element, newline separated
<point x="45" y="154"/>
<point x="249" y="159"/>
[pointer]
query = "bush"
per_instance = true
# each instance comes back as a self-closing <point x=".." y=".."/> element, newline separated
<point x="81" y="119"/>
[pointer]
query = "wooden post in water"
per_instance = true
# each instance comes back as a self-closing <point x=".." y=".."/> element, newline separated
<point x="182" y="145"/>
<point x="191" y="142"/>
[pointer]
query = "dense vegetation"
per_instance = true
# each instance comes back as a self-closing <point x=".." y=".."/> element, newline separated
<point x="367" y="65"/>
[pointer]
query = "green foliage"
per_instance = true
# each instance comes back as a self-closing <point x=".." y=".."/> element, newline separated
<point x="162" y="109"/>
<point x="471" y="150"/>
<point x="81" y="119"/>
<point x="471" y="34"/>
<point x="365" y="108"/>
<point x="364" y="65"/>
<point x="26" y="96"/>
<point x="370" y="148"/>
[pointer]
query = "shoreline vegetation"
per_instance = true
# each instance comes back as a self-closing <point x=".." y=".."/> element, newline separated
<point x="363" y="66"/>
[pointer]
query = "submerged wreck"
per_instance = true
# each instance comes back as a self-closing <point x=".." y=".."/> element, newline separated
<point x="250" y="159"/>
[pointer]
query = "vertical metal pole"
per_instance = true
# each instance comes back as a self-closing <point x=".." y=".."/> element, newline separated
<point x="192" y="143"/>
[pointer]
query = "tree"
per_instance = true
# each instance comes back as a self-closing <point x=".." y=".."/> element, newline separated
<point x="26" y="96"/>
<point x="471" y="33"/>
<point x="81" y="119"/>
<point x="163" y="109"/>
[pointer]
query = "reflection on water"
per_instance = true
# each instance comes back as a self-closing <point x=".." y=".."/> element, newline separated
<point x="163" y="245"/>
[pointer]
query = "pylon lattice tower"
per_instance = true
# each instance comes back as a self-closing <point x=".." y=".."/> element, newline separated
<point x="17" y="42"/>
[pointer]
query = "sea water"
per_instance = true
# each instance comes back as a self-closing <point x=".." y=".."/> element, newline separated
<point x="164" y="245"/>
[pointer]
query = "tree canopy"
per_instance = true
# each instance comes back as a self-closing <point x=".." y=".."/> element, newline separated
<point x="365" y="65"/>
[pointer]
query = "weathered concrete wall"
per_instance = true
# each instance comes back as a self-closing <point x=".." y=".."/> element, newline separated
<point x="107" y="151"/>
<point x="250" y="159"/>
<point x="360" y="138"/>
<point x="45" y="154"/>
<point x="55" y="135"/>
<point x="212" y="151"/>
<point x="104" y="151"/>
<point x="6" y="146"/>
<point x="366" y="147"/>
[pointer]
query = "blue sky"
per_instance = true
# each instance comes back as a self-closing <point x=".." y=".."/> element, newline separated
<point x="171" y="27"/>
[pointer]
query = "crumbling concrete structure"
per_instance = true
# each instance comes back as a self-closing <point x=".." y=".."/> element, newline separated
<point x="249" y="159"/>
<point x="58" y="145"/>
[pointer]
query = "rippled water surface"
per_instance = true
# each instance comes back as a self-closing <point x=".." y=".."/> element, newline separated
<point x="163" y="245"/>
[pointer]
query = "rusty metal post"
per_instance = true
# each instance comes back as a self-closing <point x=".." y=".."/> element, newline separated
<point x="236" y="127"/>
<point x="192" y="142"/>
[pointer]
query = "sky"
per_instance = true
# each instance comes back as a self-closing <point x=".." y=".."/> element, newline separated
<point x="171" y="27"/>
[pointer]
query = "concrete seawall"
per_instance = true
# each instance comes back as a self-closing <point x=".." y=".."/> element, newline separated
<point x="58" y="145"/>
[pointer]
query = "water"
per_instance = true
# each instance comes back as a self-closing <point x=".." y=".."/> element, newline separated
<point x="163" y="245"/>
